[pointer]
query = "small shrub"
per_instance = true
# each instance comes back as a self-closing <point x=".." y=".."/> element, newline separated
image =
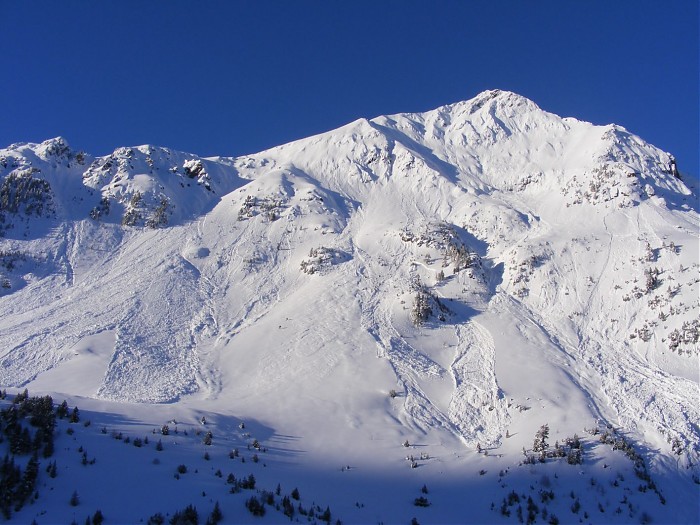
<point x="156" y="519"/>
<point x="576" y="506"/>
<point x="326" y="515"/>
<point x="255" y="507"/>
<point x="187" y="516"/>
<point x="216" y="516"/>
<point x="97" y="518"/>
<point x="268" y="497"/>
<point x="287" y="507"/>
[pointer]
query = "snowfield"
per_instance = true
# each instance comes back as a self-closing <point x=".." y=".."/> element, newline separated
<point x="417" y="290"/>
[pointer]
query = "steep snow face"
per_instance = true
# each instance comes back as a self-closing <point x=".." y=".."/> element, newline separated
<point x="496" y="266"/>
<point x="575" y="223"/>
<point x="508" y="143"/>
<point x="61" y="213"/>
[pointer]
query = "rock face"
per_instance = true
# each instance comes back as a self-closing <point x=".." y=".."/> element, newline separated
<point x="487" y="252"/>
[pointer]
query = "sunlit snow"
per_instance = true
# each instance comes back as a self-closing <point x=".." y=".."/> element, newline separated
<point x="558" y="261"/>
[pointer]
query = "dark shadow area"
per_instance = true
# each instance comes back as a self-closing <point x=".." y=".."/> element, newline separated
<point x="488" y="488"/>
<point x="473" y="243"/>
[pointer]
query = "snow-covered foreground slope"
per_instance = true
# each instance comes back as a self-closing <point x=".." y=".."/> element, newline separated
<point x="494" y="267"/>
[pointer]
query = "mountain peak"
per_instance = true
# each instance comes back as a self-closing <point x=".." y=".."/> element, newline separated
<point x="495" y="102"/>
<point x="495" y="265"/>
<point x="55" y="147"/>
<point x="500" y="96"/>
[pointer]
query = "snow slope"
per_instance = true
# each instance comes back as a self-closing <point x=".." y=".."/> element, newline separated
<point x="496" y="266"/>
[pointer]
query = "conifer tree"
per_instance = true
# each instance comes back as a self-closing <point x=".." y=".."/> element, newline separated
<point x="541" y="436"/>
<point x="216" y="516"/>
<point x="62" y="410"/>
<point x="97" y="518"/>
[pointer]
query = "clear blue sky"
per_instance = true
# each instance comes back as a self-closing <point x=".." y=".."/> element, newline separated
<point x="230" y="77"/>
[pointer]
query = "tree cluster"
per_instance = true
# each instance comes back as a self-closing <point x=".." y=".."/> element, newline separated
<point x="571" y="449"/>
<point x="27" y="427"/>
<point x="21" y="192"/>
<point x="425" y="305"/>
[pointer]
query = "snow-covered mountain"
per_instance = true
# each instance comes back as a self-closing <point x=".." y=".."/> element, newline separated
<point x="494" y="266"/>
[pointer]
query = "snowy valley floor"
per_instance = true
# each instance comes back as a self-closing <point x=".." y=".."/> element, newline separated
<point x="369" y="481"/>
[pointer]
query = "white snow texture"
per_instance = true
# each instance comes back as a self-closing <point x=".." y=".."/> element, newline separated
<point x="497" y="266"/>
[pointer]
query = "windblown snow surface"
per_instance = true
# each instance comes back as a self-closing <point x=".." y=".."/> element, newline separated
<point x="497" y="267"/>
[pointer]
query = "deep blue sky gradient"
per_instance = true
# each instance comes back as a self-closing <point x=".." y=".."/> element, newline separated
<point x="231" y="77"/>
